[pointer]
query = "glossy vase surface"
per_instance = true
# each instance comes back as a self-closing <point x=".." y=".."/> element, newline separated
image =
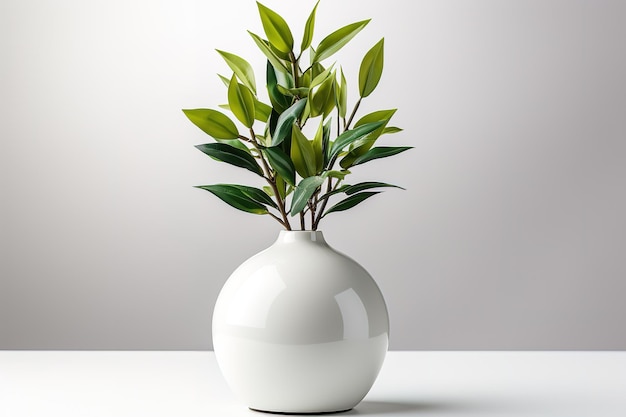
<point x="300" y="328"/>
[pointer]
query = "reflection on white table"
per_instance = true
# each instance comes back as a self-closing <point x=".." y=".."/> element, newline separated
<point x="189" y="384"/>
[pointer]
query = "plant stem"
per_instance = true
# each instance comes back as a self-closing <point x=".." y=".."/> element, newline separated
<point x="329" y="186"/>
<point x="356" y="107"/>
<point x="302" y="225"/>
<point x="272" y="182"/>
<point x="278" y="220"/>
<point x="294" y="69"/>
<point x="310" y="66"/>
<point x="312" y="209"/>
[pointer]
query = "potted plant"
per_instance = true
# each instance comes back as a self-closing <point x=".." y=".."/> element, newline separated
<point x="299" y="327"/>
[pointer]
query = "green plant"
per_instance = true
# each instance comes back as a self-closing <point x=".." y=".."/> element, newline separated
<point x="301" y="173"/>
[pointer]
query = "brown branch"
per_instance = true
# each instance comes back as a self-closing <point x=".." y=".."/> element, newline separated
<point x="324" y="203"/>
<point x="272" y="182"/>
<point x="356" y="107"/>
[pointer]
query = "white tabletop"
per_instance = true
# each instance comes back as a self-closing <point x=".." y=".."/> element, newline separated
<point x="188" y="384"/>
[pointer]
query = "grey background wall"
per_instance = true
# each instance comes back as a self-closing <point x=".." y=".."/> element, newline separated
<point x="511" y="234"/>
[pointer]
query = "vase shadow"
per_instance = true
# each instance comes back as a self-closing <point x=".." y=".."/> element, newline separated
<point x="373" y="408"/>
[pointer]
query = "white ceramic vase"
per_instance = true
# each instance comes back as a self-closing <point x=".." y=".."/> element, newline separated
<point x="300" y="328"/>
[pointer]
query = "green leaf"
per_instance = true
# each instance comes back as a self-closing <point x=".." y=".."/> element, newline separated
<point x="391" y="129"/>
<point x="279" y="101"/>
<point x="257" y="195"/>
<point x="303" y="192"/>
<point x="241" y="102"/>
<point x="362" y="145"/>
<point x="270" y="127"/>
<point x="241" y="68"/>
<point x="349" y="136"/>
<point x="285" y="79"/>
<point x="362" y="186"/>
<point x="213" y="123"/>
<point x="286" y="121"/>
<point x="318" y="147"/>
<point x="283" y="189"/>
<point x="336" y="174"/>
<point x="322" y="76"/>
<point x="235" y="196"/>
<point x="282" y="164"/>
<point x="276" y="29"/>
<point x="322" y="97"/>
<point x="253" y="193"/>
<point x="231" y="155"/>
<point x="311" y="73"/>
<point x="338" y="39"/>
<point x="299" y="92"/>
<point x="264" y="46"/>
<point x="305" y="79"/>
<point x="315" y="70"/>
<point x="326" y="140"/>
<point x="232" y="142"/>
<point x="331" y="102"/>
<point x="268" y="190"/>
<point x="225" y="80"/>
<point x="371" y="69"/>
<point x="380" y="152"/>
<point x="342" y="96"/>
<point x="302" y="153"/>
<point x="376" y="116"/>
<point x="235" y="143"/>
<point x="308" y="29"/>
<point x="262" y="111"/>
<point x="350" y="202"/>
<point x="333" y="192"/>
<point x="353" y="189"/>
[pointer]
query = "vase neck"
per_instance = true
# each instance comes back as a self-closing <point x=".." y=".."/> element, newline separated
<point x="292" y="236"/>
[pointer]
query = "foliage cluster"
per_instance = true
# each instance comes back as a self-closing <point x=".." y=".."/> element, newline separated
<point x="301" y="172"/>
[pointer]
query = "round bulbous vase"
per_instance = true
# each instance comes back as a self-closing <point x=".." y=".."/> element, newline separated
<point x="300" y="328"/>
